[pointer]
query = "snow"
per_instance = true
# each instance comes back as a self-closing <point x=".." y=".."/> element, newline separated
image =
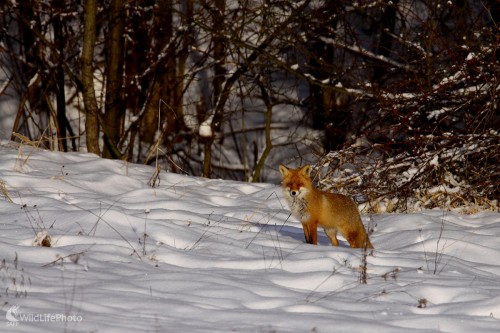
<point x="204" y="255"/>
<point x="470" y="56"/>
<point x="33" y="80"/>
<point x="205" y="129"/>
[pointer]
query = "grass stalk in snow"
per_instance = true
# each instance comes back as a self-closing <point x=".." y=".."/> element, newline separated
<point x="363" y="273"/>
<point x="271" y="218"/>
<point x="42" y="236"/>
<point x="5" y="191"/>
<point x="21" y="158"/>
<point x="14" y="279"/>
<point x="154" y="181"/>
<point x="145" y="234"/>
<point x="277" y="229"/>
<point x="100" y="217"/>
<point x="439" y="251"/>
<point x="309" y="297"/>
<point x="207" y="233"/>
<point x="69" y="300"/>
<point x="438" y="256"/>
<point x="73" y="257"/>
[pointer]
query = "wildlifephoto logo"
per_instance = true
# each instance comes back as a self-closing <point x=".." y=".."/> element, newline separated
<point x="15" y="317"/>
<point x="12" y="314"/>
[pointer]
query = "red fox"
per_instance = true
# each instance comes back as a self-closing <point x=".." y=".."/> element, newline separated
<point x="334" y="212"/>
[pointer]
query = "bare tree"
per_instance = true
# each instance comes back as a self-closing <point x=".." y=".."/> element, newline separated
<point x="89" y="96"/>
<point x="114" y="105"/>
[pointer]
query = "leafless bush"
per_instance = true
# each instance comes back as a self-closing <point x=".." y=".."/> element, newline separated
<point x="428" y="136"/>
<point x="446" y="171"/>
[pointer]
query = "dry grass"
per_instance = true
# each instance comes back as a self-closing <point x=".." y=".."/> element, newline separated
<point x="22" y="157"/>
<point x="5" y="191"/>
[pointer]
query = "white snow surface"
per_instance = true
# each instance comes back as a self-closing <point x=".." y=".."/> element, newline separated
<point x="223" y="256"/>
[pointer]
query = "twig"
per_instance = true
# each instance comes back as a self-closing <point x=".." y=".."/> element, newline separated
<point x="74" y="257"/>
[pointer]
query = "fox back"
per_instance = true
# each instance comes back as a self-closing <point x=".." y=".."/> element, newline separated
<point x="313" y="207"/>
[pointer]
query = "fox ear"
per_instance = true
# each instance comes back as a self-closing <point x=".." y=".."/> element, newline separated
<point x="306" y="170"/>
<point x="284" y="170"/>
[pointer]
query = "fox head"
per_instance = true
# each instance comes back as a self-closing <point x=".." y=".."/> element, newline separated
<point x="296" y="182"/>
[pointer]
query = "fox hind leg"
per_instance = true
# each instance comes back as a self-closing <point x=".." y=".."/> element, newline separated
<point x="359" y="240"/>
<point x="332" y="234"/>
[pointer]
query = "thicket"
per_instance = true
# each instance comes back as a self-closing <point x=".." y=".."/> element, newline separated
<point x="429" y="135"/>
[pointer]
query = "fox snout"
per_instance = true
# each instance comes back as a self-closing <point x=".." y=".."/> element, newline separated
<point x="296" y="192"/>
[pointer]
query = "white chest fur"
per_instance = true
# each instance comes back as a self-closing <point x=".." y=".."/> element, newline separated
<point x="298" y="206"/>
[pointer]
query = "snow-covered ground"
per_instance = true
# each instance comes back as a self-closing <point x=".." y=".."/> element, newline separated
<point x="202" y="255"/>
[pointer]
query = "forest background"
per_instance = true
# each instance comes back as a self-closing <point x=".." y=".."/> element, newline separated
<point x="395" y="102"/>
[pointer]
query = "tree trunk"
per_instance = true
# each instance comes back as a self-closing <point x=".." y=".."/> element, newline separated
<point x="89" y="99"/>
<point x="114" y="106"/>
<point x="62" y="122"/>
<point x="218" y="80"/>
<point x="384" y="47"/>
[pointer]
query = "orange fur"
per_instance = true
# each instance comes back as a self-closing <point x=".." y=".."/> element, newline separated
<point x="312" y="207"/>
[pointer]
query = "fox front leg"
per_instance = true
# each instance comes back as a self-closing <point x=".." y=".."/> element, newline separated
<point x="311" y="232"/>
